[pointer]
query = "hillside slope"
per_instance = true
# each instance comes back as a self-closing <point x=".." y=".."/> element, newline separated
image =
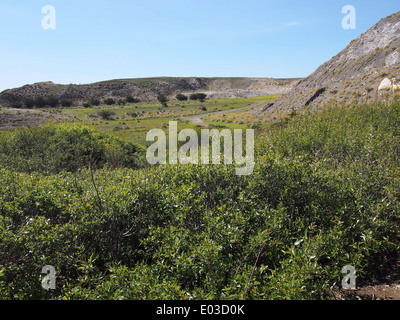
<point x="149" y="88"/>
<point x="354" y="75"/>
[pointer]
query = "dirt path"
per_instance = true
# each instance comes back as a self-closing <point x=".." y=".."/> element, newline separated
<point x="197" y="119"/>
<point x="385" y="291"/>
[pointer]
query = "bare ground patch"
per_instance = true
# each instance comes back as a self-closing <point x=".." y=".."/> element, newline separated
<point x="14" y="118"/>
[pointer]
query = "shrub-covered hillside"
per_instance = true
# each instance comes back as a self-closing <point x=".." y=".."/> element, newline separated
<point x="324" y="193"/>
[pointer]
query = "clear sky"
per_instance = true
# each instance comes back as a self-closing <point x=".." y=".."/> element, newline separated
<point x="103" y="39"/>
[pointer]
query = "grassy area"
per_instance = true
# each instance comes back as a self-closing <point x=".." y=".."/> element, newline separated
<point x="249" y="117"/>
<point x="133" y="121"/>
<point x="175" y="108"/>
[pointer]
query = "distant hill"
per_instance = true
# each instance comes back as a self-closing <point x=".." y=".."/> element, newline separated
<point x="149" y="88"/>
<point x="367" y="70"/>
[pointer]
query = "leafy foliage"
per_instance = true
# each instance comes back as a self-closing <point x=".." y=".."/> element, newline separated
<point x="54" y="148"/>
<point x="40" y="102"/>
<point x="52" y="101"/>
<point x="16" y="104"/>
<point x="66" y="103"/>
<point x="198" y="96"/>
<point x="324" y="193"/>
<point x="94" y="101"/>
<point x="29" y="103"/>
<point x="181" y="97"/>
<point x="131" y="99"/>
<point x="163" y="100"/>
<point x="109" y="101"/>
<point x="106" y="114"/>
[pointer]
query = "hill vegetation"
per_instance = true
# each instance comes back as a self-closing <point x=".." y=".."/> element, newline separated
<point x="142" y="89"/>
<point x="324" y="194"/>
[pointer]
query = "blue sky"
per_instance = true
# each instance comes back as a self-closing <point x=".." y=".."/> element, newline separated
<point x="104" y="39"/>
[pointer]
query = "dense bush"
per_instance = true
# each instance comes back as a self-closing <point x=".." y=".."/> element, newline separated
<point x="198" y="96"/>
<point x="16" y="104"/>
<point x="109" y="101"/>
<point x="106" y="114"/>
<point x="54" y="148"/>
<point x="29" y="103"/>
<point x="94" y="101"/>
<point x="130" y="99"/>
<point x="324" y="193"/>
<point x="40" y="102"/>
<point x="66" y="103"/>
<point x="52" y="101"/>
<point x="162" y="99"/>
<point x="181" y="97"/>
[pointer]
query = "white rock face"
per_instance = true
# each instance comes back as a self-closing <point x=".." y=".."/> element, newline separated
<point x="386" y="84"/>
<point x="393" y="59"/>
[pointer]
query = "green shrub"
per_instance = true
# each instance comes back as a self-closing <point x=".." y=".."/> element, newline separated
<point x="198" y="96"/>
<point x="95" y="101"/>
<point x="181" y="97"/>
<point x="163" y="100"/>
<point x="66" y="103"/>
<point x="106" y="114"/>
<point x="40" y="102"/>
<point x="29" y="103"/>
<point x="324" y="194"/>
<point x="16" y="104"/>
<point x="52" y="101"/>
<point x="131" y="99"/>
<point x="54" y="148"/>
<point x="109" y="101"/>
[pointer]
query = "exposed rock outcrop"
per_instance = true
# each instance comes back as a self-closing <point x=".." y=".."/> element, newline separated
<point x="366" y="71"/>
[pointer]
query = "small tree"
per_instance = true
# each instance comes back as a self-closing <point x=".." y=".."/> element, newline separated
<point x="201" y="96"/>
<point x="109" y="101"/>
<point x="16" y="104"/>
<point x="163" y="100"/>
<point x="106" y="114"/>
<point x="40" y="102"/>
<point x="181" y="97"/>
<point x="130" y="99"/>
<point x="29" y="103"/>
<point x="94" y="101"/>
<point x="52" y="101"/>
<point x="193" y="96"/>
<point x="66" y="103"/>
<point x="198" y="96"/>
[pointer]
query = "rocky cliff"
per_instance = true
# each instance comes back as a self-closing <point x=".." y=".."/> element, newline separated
<point x="366" y="71"/>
